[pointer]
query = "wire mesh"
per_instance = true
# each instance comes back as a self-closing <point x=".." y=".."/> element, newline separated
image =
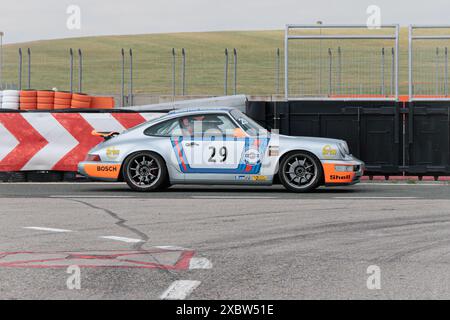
<point x="333" y="68"/>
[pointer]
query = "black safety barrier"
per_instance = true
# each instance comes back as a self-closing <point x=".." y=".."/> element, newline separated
<point x="392" y="138"/>
<point x="427" y="137"/>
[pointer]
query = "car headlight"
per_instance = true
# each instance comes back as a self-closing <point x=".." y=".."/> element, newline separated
<point x="343" y="148"/>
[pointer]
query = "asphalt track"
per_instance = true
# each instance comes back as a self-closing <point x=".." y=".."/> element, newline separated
<point x="195" y="242"/>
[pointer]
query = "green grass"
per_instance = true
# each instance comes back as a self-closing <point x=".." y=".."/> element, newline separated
<point x="204" y="63"/>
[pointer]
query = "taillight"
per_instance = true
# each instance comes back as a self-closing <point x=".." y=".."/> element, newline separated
<point x="93" y="157"/>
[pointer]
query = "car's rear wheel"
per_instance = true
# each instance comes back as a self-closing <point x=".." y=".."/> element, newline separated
<point x="300" y="171"/>
<point x="145" y="171"/>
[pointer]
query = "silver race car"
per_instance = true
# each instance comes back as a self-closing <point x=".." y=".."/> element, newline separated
<point x="218" y="146"/>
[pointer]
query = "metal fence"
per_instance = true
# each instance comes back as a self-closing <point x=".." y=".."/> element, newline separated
<point x="323" y="62"/>
<point x="176" y="72"/>
<point x="332" y="62"/>
<point x="429" y="62"/>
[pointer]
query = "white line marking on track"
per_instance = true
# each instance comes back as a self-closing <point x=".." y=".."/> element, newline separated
<point x="232" y="197"/>
<point x="387" y="198"/>
<point x="48" y="229"/>
<point x="180" y="290"/>
<point x="200" y="263"/>
<point x="173" y="248"/>
<point x="124" y="239"/>
<point x="91" y="196"/>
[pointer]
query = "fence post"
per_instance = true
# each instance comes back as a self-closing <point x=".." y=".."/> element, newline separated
<point x="29" y="68"/>
<point x="80" y="71"/>
<point x="130" y="95"/>
<point x="446" y="71"/>
<point x="20" y="69"/>
<point x="173" y="72"/>
<point x="437" y="71"/>
<point x="330" y="66"/>
<point x="235" y="71"/>
<point x="225" y="74"/>
<point x="122" y="80"/>
<point x="278" y="72"/>
<point x="392" y="70"/>
<point x="71" y="69"/>
<point x="382" y="71"/>
<point x="339" y="70"/>
<point x="183" y="72"/>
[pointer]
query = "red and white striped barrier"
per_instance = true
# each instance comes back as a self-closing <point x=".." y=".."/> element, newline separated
<point x="56" y="141"/>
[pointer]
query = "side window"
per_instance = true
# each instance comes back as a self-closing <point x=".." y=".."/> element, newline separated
<point x="166" y="128"/>
<point x="207" y="125"/>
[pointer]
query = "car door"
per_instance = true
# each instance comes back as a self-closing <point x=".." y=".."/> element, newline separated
<point x="213" y="148"/>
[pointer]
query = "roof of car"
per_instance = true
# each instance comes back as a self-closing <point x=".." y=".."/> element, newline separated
<point x="205" y="110"/>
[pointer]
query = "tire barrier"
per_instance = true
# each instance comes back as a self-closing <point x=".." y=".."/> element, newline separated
<point x="45" y="100"/>
<point x="392" y="138"/>
<point x="10" y="99"/>
<point x="52" y="100"/>
<point x="102" y="103"/>
<point x="28" y="100"/>
<point x="63" y="100"/>
<point x="46" y="141"/>
<point x="81" y="101"/>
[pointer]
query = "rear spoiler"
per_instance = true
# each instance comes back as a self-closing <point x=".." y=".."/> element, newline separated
<point x="105" y="135"/>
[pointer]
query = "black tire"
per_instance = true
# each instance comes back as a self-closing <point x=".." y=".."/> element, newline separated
<point x="300" y="171"/>
<point x="145" y="171"/>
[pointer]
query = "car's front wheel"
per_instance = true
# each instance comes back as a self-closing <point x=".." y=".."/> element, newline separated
<point x="300" y="171"/>
<point x="145" y="171"/>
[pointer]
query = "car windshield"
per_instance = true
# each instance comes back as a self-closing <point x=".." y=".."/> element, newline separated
<point x="249" y="125"/>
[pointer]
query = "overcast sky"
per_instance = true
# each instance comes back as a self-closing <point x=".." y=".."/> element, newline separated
<point x="24" y="20"/>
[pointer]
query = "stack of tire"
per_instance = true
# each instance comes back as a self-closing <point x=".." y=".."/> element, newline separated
<point x="45" y="99"/>
<point x="63" y="100"/>
<point x="28" y="100"/>
<point x="10" y="99"/>
<point x="102" y="102"/>
<point x="80" y="101"/>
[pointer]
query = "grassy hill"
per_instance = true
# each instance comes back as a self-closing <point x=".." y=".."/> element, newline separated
<point x="204" y="63"/>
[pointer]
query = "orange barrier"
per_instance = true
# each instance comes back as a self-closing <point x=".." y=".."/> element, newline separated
<point x="63" y="95"/>
<point x="81" y="97"/>
<point x="80" y="104"/>
<point x="63" y="100"/>
<point x="49" y="100"/>
<point x="102" y="103"/>
<point x="28" y="93"/>
<point x="45" y="100"/>
<point x="28" y="100"/>
<point x="80" y="101"/>
<point x="28" y="106"/>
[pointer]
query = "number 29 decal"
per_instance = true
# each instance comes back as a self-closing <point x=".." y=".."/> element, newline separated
<point x="222" y="154"/>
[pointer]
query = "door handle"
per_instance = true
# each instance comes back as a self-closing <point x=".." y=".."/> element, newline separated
<point x="191" y="144"/>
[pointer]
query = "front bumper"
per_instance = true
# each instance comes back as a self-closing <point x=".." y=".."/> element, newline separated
<point x="100" y="170"/>
<point x="334" y="173"/>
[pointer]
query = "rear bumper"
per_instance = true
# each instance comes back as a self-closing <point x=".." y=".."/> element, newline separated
<point x="335" y="175"/>
<point x="100" y="170"/>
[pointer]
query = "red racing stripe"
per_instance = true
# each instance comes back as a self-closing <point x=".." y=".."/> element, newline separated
<point x="30" y="141"/>
<point x="180" y="154"/>
<point x="129" y="120"/>
<point x="81" y="130"/>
